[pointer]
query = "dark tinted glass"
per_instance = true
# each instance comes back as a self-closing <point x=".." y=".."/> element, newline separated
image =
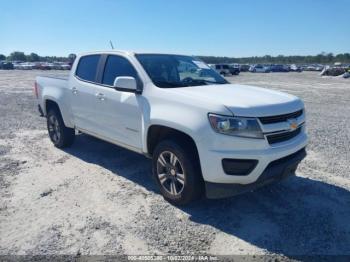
<point x="87" y="67"/>
<point x="171" y="71"/>
<point x="117" y="66"/>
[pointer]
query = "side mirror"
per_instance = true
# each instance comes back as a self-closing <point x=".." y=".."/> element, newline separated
<point x="126" y="84"/>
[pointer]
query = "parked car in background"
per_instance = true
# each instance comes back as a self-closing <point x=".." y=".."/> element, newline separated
<point x="65" y="66"/>
<point x="279" y="68"/>
<point x="335" y="70"/>
<point x="310" y="68"/>
<point x="24" y="66"/>
<point x="222" y="69"/>
<point x="36" y="65"/>
<point x="56" y="66"/>
<point x="347" y="73"/>
<point x="234" y="69"/>
<point x="41" y="65"/>
<point x="244" y="67"/>
<point x="15" y="64"/>
<point x="259" y="69"/>
<point x="314" y="67"/>
<point x="203" y="134"/>
<point x="295" y="68"/>
<point x="44" y="66"/>
<point x="6" y="65"/>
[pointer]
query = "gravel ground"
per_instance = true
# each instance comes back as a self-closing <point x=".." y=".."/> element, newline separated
<point x="96" y="198"/>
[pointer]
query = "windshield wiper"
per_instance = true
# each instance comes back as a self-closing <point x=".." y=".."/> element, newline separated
<point x="170" y="84"/>
<point x="193" y="82"/>
<point x="203" y="82"/>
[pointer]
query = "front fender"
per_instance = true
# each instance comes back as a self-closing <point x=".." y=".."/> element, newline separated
<point x="189" y="122"/>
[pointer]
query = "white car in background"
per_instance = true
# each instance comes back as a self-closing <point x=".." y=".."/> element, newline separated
<point x="25" y="66"/>
<point x="259" y="69"/>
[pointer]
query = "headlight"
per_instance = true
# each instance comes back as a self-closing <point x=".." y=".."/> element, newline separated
<point x="236" y="126"/>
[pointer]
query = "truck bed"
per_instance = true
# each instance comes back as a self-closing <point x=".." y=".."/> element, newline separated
<point x="44" y="81"/>
<point x="57" y="77"/>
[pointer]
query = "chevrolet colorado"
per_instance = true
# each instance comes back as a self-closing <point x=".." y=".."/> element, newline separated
<point x="204" y="135"/>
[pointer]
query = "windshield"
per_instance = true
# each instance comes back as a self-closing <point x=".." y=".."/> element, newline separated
<point x="169" y="71"/>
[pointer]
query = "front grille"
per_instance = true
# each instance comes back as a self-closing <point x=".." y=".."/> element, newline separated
<point x="279" y="118"/>
<point x="281" y="137"/>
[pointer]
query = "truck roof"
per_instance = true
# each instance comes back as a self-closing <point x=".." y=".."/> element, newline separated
<point x="124" y="52"/>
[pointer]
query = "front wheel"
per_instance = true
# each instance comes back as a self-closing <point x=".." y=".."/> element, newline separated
<point x="177" y="173"/>
<point x="60" y="135"/>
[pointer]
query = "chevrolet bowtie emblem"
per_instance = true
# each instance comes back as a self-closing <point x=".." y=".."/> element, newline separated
<point x="292" y="124"/>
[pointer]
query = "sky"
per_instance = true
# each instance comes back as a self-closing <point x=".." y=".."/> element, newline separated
<point x="235" y="28"/>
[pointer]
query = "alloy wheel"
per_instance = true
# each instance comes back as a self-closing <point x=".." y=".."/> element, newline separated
<point x="54" y="128"/>
<point x="171" y="173"/>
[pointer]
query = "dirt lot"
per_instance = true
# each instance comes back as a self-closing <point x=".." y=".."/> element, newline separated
<point x="97" y="198"/>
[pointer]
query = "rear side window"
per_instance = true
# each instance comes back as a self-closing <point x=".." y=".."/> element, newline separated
<point x="87" y="67"/>
<point x="117" y="66"/>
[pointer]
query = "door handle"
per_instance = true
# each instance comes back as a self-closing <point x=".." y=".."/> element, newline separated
<point x="100" y="96"/>
<point x="74" y="90"/>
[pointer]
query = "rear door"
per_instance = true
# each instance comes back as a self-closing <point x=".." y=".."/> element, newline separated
<point x="83" y="91"/>
<point x="119" y="113"/>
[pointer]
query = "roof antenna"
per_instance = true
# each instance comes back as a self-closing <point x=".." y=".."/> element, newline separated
<point x="110" y="41"/>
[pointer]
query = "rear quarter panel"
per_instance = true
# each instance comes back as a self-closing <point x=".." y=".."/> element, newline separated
<point x="56" y="90"/>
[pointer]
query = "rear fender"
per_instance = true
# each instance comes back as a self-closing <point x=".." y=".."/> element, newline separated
<point x="57" y="95"/>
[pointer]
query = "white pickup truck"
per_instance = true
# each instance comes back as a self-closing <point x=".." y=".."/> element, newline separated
<point x="204" y="135"/>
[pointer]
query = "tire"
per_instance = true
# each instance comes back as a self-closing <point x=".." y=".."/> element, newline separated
<point x="60" y="135"/>
<point x="179" y="183"/>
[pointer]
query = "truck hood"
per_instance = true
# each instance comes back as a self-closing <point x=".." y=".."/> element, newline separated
<point x="244" y="100"/>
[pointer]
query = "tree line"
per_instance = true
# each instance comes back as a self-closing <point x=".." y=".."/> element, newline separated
<point x="33" y="57"/>
<point x="323" y="58"/>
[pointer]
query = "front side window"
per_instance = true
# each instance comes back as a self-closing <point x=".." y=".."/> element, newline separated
<point x="168" y="71"/>
<point x="117" y="66"/>
<point x="87" y="67"/>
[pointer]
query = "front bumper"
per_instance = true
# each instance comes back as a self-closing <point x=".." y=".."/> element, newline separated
<point x="229" y="147"/>
<point x="275" y="171"/>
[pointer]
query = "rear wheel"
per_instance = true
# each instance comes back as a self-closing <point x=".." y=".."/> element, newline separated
<point x="176" y="170"/>
<point x="60" y="135"/>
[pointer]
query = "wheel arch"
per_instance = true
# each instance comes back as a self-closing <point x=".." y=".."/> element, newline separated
<point x="49" y="104"/>
<point x="52" y="103"/>
<point x="157" y="133"/>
